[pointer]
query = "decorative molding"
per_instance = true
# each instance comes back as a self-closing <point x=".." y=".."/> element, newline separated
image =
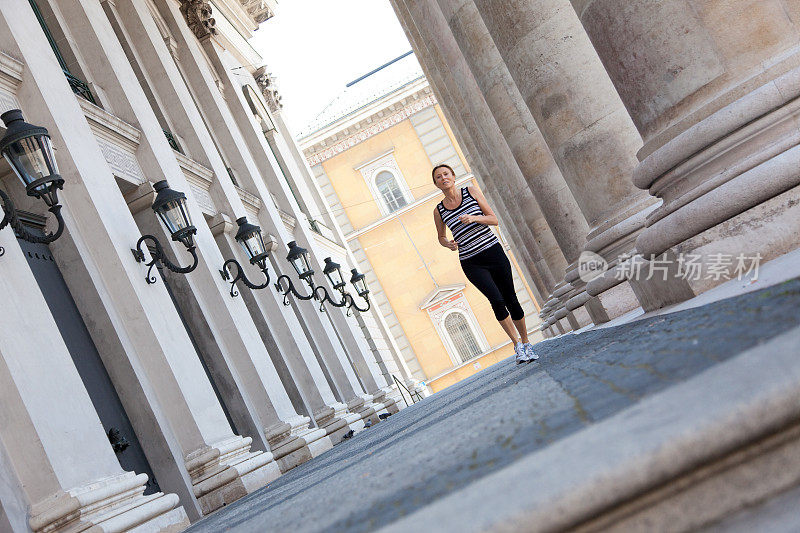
<point x="268" y="85"/>
<point x="258" y="10"/>
<point x="10" y="79"/>
<point x="200" y="179"/>
<point x="118" y="141"/>
<point x="251" y="202"/>
<point x="440" y="294"/>
<point x="362" y="134"/>
<point x="198" y="16"/>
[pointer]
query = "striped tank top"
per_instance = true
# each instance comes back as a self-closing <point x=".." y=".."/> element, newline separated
<point x="472" y="238"/>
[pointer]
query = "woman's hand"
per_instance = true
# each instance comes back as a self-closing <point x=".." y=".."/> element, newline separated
<point x="468" y="219"/>
<point x="453" y="245"/>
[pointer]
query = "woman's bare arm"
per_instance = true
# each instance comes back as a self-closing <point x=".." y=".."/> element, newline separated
<point x="440" y="228"/>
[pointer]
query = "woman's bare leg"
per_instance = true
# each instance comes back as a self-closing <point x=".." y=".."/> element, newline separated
<point x="511" y="331"/>
<point x="523" y="331"/>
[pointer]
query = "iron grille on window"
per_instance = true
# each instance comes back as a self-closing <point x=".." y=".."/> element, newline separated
<point x="461" y="335"/>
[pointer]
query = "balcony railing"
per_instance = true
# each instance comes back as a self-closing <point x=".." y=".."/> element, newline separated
<point x="172" y="142"/>
<point x="79" y="87"/>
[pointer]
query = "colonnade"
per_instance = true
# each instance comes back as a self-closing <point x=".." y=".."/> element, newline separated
<point x="224" y="393"/>
<point x="643" y="134"/>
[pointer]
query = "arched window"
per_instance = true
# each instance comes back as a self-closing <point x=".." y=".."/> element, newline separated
<point x="461" y="336"/>
<point x="390" y="191"/>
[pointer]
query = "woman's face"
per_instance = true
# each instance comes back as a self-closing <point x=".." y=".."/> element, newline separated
<point x="443" y="178"/>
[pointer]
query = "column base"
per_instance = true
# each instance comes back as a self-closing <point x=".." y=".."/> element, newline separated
<point x="384" y="403"/>
<point x="341" y="423"/>
<point x="362" y="405"/>
<point x="293" y="442"/>
<point x="227" y="471"/>
<point x="770" y="229"/>
<point x="112" y="504"/>
<point x="730" y="182"/>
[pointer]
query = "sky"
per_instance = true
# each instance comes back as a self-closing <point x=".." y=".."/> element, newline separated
<point x="315" y="47"/>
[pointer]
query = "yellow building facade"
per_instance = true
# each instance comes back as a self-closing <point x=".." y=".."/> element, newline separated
<point x="372" y="150"/>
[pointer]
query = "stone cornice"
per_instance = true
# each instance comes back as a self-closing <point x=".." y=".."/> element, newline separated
<point x="367" y="127"/>
<point x="109" y="127"/>
<point x="10" y="71"/>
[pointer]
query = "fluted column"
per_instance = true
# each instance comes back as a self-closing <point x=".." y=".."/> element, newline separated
<point x="579" y="114"/>
<point x="712" y="88"/>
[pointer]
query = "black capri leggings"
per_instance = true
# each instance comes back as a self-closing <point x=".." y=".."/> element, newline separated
<point x="490" y="272"/>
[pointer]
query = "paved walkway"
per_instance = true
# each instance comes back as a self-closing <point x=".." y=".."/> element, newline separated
<point x="503" y="414"/>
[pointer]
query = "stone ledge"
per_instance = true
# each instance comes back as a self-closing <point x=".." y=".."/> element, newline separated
<point x="749" y="404"/>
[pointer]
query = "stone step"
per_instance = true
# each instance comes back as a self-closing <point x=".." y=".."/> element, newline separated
<point x="683" y="459"/>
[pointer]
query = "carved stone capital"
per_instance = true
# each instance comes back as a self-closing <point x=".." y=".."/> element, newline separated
<point x="266" y="82"/>
<point x="258" y="10"/>
<point x="198" y="16"/>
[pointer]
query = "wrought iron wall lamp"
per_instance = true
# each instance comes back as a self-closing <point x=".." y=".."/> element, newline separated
<point x="28" y="150"/>
<point x="250" y="238"/>
<point x="170" y="206"/>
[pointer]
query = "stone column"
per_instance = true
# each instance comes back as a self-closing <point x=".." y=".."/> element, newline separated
<point x="468" y="114"/>
<point x="222" y="327"/>
<point x="257" y="376"/>
<point x="581" y="119"/>
<point x="540" y="275"/>
<point x="712" y="88"/>
<point x="350" y="335"/>
<point x="290" y="350"/>
<point x="233" y="144"/>
<point x="372" y="323"/>
<point x="139" y="336"/>
<point x="59" y="471"/>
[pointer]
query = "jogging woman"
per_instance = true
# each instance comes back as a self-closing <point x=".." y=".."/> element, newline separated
<point x="465" y="211"/>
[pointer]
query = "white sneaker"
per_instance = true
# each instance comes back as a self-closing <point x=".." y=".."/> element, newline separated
<point x="530" y="354"/>
<point x="520" y="356"/>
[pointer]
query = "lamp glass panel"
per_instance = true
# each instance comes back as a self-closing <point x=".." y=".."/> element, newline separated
<point x="185" y="212"/>
<point x="306" y="263"/>
<point x="361" y="286"/>
<point x="175" y="216"/>
<point x="28" y="160"/>
<point x="47" y="150"/>
<point x="335" y="277"/>
<point x="297" y="263"/>
<point x="253" y="244"/>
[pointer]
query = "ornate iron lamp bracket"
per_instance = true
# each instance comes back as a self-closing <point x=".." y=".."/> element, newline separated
<point x="10" y="218"/>
<point x="158" y="256"/>
<point x="291" y="290"/>
<point x="240" y="275"/>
